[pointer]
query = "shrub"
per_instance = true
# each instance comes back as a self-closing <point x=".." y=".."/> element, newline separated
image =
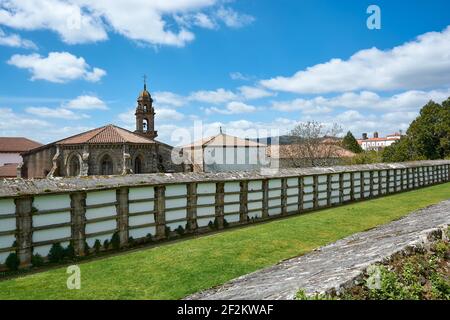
<point x="180" y="230"/>
<point x="131" y="242"/>
<point x="69" y="252"/>
<point x="149" y="237"/>
<point x="56" y="253"/>
<point x="87" y="249"/>
<point x="225" y="223"/>
<point x="211" y="225"/>
<point x="106" y="244"/>
<point x="12" y="261"/>
<point x="167" y="232"/>
<point x="97" y="246"/>
<point x="115" y="241"/>
<point x="37" y="260"/>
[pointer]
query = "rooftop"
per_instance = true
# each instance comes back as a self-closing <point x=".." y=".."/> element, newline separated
<point x="17" y="144"/>
<point x="223" y="140"/>
<point x="9" y="170"/>
<point x="107" y="134"/>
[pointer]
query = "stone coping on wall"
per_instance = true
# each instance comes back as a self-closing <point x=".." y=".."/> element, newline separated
<point x="22" y="187"/>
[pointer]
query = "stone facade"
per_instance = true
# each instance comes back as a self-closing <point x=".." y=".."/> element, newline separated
<point x="108" y="150"/>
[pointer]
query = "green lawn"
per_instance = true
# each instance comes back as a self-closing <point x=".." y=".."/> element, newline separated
<point x="175" y="270"/>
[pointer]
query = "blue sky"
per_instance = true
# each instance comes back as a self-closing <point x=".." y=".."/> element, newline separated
<point x="251" y="65"/>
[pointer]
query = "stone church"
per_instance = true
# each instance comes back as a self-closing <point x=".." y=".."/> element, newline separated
<point x="108" y="150"/>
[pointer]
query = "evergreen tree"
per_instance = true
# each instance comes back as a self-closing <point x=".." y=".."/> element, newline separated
<point x="428" y="136"/>
<point x="349" y="142"/>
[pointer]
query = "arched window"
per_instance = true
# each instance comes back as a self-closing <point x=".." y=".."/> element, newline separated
<point x="137" y="165"/>
<point x="74" y="166"/>
<point x="106" y="165"/>
<point x="145" y="125"/>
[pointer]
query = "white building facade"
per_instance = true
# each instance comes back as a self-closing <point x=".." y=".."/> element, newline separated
<point x="376" y="143"/>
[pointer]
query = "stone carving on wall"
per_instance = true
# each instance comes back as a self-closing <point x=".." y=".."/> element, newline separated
<point x="126" y="169"/>
<point x="84" y="170"/>
<point x="54" y="169"/>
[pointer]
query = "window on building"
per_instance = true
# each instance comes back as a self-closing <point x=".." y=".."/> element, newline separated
<point x="106" y="165"/>
<point x="137" y="165"/>
<point x="74" y="166"/>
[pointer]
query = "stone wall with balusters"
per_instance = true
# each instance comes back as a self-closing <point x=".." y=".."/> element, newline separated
<point x="35" y="214"/>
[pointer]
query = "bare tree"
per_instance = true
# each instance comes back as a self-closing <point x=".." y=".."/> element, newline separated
<point x="313" y="144"/>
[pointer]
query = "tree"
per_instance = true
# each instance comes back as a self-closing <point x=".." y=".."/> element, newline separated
<point x="349" y="142"/>
<point x="428" y="136"/>
<point x="315" y="145"/>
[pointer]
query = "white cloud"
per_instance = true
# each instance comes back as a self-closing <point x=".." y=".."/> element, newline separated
<point x="406" y="101"/>
<point x="251" y="93"/>
<point x="169" y="98"/>
<point x="58" y="67"/>
<point x="234" y="107"/>
<point x="59" y="113"/>
<point x="419" y="64"/>
<point x="73" y="22"/>
<point x="215" y="96"/>
<point x="81" y="21"/>
<point x="234" y="19"/>
<point x="239" y="76"/>
<point x="10" y="121"/>
<point x="16" y="41"/>
<point x="199" y="19"/>
<point x="86" y="102"/>
<point x="312" y="106"/>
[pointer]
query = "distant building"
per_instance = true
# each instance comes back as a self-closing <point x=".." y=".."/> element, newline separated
<point x="221" y="153"/>
<point x="376" y="143"/>
<point x="108" y="150"/>
<point x="10" y="150"/>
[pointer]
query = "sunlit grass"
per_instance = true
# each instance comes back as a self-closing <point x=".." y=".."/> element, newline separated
<point x="175" y="270"/>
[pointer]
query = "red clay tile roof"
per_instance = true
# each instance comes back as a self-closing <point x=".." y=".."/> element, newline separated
<point x="9" y="170"/>
<point x="17" y="144"/>
<point x="106" y="134"/>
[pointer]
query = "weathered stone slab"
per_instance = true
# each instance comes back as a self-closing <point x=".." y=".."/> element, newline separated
<point x="20" y="187"/>
<point x="337" y="264"/>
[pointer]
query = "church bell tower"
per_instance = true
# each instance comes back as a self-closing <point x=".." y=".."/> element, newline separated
<point x="145" y="114"/>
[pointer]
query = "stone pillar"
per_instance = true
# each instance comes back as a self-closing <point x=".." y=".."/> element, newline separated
<point x="284" y="196"/>
<point x="301" y="193"/>
<point x="362" y="186"/>
<point x="243" y="199"/>
<point x="352" y="186"/>
<point x="448" y="172"/>
<point x="78" y="221"/>
<point x="160" y="212"/>
<point x="371" y="185"/>
<point x="380" y="183"/>
<point x="395" y="181"/>
<point x="220" y="200"/>
<point x="122" y="215"/>
<point x="329" y="177"/>
<point x="315" y="191"/>
<point x="24" y="227"/>
<point x="341" y="188"/>
<point x="265" y="204"/>
<point x="388" y="181"/>
<point x="192" y="206"/>
<point x="408" y="178"/>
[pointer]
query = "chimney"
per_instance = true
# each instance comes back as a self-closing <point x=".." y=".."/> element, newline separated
<point x="375" y="134"/>
<point x="364" y="136"/>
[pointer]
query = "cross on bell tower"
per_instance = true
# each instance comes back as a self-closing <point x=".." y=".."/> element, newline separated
<point x="145" y="114"/>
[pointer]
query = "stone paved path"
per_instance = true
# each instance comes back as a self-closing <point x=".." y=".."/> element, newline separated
<point x="335" y="264"/>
